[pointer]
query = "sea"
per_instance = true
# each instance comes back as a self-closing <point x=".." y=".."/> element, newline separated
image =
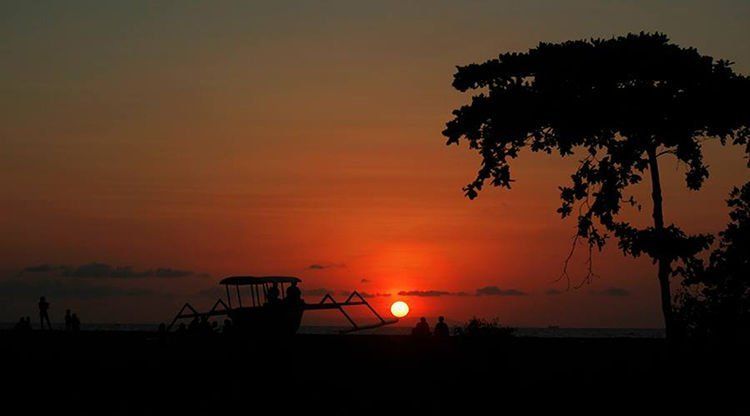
<point x="534" y="332"/>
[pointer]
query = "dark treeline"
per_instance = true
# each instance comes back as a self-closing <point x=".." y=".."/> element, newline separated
<point x="716" y="300"/>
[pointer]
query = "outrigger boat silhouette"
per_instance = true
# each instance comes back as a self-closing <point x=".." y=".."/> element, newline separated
<point x="265" y="315"/>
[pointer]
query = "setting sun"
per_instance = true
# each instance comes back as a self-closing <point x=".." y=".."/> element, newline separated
<point x="399" y="309"/>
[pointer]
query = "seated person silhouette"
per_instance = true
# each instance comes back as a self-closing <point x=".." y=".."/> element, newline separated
<point x="21" y="325"/>
<point x="75" y="323"/>
<point x="227" y="328"/>
<point x="293" y="294"/>
<point x="441" y="328"/>
<point x="204" y="327"/>
<point x="422" y="329"/>
<point x="194" y="325"/>
<point x="44" y="312"/>
<point x="273" y="294"/>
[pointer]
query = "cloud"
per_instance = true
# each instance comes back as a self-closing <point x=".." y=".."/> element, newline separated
<point x="366" y="295"/>
<point x="102" y="270"/>
<point x="553" y="292"/>
<point x="213" y="292"/>
<point x="94" y="269"/>
<point x="323" y="266"/>
<point x="484" y="291"/>
<point x="168" y="272"/>
<point x="42" y="268"/>
<point x="374" y="295"/>
<point x="324" y="291"/>
<point x="496" y="291"/>
<point x="425" y="293"/>
<point x="316" y="292"/>
<point x="614" y="292"/>
<point x="365" y="281"/>
<point x="14" y="289"/>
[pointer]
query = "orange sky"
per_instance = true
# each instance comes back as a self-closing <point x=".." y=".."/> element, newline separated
<point x="230" y="138"/>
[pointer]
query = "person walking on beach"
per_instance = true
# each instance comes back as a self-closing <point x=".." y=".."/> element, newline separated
<point x="441" y="328"/>
<point x="75" y="323"/>
<point x="44" y="312"/>
<point x="68" y="321"/>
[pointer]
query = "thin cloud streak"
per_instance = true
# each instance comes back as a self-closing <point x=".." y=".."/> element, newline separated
<point x="616" y="292"/>
<point x="103" y="270"/>
<point x="496" y="291"/>
<point x="324" y="266"/>
<point x="483" y="291"/>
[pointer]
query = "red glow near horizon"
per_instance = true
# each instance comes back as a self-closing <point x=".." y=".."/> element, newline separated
<point x="212" y="155"/>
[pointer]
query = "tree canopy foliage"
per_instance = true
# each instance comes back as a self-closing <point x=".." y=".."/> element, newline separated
<point x="620" y="102"/>
<point x="720" y="305"/>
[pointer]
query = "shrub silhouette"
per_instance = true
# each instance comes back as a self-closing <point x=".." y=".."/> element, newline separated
<point x="478" y="327"/>
<point x="717" y="301"/>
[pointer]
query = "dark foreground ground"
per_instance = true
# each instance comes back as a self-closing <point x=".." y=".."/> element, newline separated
<point x="136" y="373"/>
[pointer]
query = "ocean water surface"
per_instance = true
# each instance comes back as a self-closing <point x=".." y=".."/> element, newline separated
<point x="541" y="332"/>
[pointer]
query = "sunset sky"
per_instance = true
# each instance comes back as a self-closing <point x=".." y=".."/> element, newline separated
<point x="185" y="141"/>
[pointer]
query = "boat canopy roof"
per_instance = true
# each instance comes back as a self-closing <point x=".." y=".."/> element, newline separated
<point x="257" y="280"/>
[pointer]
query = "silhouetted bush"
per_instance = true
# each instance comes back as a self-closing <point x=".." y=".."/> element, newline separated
<point x="716" y="301"/>
<point x="479" y="327"/>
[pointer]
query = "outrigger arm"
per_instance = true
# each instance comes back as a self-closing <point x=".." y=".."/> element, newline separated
<point x="328" y="302"/>
<point x="195" y="314"/>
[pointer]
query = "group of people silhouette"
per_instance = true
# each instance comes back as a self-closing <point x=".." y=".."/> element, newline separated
<point x="72" y="322"/>
<point x="23" y="324"/>
<point x="293" y="294"/>
<point x="423" y="328"/>
<point x="201" y="326"/>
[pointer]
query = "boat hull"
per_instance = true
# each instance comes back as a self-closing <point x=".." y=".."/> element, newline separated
<point x="273" y="320"/>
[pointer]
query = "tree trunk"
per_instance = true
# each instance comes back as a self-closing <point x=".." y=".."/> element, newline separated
<point x="664" y="264"/>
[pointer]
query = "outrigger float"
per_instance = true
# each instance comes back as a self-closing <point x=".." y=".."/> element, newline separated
<point x="263" y="316"/>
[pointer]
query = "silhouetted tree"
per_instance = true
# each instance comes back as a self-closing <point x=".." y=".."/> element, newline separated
<point x="718" y="302"/>
<point x="623" y="103"/>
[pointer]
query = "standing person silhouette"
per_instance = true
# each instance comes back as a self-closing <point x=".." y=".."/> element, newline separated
<point x="44" y="312"/>
<point x="68" y="321"/>
<point x="75" y="323"/>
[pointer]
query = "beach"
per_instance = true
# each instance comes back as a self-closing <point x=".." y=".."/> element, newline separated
<point x="132" y="372"/>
